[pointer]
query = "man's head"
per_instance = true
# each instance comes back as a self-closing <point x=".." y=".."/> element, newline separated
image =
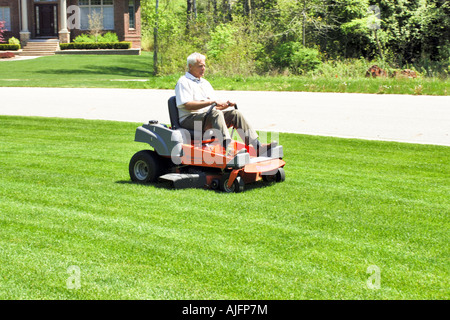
<point x="196" y="65"/>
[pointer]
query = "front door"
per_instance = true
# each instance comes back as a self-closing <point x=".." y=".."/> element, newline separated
<point x="46" y="20"/>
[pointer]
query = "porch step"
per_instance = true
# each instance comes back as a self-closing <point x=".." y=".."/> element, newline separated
<point x="40" y="47"/>
<point x="36" y="53"/>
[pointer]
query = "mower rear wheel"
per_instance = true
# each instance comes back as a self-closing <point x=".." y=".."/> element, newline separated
<point x="237" y="186"/>
<point x="145" y="166"/>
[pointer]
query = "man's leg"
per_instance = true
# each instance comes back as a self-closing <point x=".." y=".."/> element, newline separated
<point x="233" y="118"/>
<point x="221" y="120"/>
<point x="215" y="120"/>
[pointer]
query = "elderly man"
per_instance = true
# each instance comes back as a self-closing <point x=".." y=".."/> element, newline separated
<point x="195" y="95"/>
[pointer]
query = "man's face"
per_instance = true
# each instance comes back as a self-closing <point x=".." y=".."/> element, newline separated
<point x="198" y="69"/>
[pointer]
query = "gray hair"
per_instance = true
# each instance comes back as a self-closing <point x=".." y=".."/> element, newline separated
<point x="192" y="59"/>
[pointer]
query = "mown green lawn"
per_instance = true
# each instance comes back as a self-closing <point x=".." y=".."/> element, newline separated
<point x="66" y="201"/>
<point x="115" y="71"/>
<point x="76" y="71"/>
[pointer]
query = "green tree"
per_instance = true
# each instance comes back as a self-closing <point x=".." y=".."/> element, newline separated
<point x="366" y="24"/>
<point x="416" y="29"/>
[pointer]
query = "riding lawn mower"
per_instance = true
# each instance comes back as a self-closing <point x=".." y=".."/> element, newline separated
<point x="186" y="159"/>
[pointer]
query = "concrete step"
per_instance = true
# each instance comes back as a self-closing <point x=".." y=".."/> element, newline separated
<point x="40" y="48"/>
<point x="39" y="44"/>
<point x="36" y="53"/>
<point x="42" y="45"/>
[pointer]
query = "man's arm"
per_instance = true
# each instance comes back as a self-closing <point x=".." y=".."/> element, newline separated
<point x="184" y="92"/>
<point x="196" y="105"/>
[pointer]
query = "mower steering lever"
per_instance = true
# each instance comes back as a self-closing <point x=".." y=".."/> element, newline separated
<point x="209" y="112"/>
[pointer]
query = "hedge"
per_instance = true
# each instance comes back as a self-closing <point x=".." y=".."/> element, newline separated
<point x="6" y="46"/>
<point x="96" y="45"/>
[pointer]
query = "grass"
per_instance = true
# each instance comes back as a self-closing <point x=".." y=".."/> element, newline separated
<point x="66" y="200"/>
<point x="73" y="71"/>
<point x="93" y="71"/>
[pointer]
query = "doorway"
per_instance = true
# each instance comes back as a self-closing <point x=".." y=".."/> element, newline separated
<point x="46" y="20"/>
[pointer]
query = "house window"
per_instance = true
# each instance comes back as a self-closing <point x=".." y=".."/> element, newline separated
<point x="5" y="16"/>
<point x="131" y="15"/>
<point x="104" y="7"/>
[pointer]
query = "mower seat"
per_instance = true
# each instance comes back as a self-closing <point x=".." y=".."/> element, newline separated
<point x="175" y="122"/>
<point x="173" y="113"/>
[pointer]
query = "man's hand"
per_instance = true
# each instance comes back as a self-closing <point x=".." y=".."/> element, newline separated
<point x="196" y="105"/>
<point x="224" y="105"/>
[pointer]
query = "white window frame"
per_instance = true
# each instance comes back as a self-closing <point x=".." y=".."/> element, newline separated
<point x="91" y="7"/>
<point x="132" y="10"/>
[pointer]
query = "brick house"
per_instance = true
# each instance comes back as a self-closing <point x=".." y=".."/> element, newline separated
<point x="42" y="19"/>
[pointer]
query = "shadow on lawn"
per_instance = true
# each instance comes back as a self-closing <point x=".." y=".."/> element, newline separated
<point x="169" y="186"/>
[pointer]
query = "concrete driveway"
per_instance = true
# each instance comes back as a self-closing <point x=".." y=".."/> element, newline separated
<point x="403" y="118"/>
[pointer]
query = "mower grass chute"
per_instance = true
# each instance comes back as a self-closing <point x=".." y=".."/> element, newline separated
<point x="186" y="161"/>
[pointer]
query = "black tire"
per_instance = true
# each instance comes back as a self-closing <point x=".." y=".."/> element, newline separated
<point x="279" y="176"/>
<point x="237" y="186"/>
<point x="145" y="166"/>
<point x="215" y="184"/>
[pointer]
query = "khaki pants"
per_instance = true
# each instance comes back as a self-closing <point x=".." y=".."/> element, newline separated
<point x="222" y="120"/>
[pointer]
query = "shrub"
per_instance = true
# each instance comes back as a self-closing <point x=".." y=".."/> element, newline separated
<point x="93" y="46"/>
<point x="13" y="40"/>
<point x="2" y="29"/>
<point x="12" y="47"/>
<point x="232" y="49"/>
<point x="89" y="38"/>
<point x="348" y="68"/>
<point x="108" y="37"/>
<point x="296" y="58"/>
<point x="84" y="38"/>
<point x="222" y="39"/>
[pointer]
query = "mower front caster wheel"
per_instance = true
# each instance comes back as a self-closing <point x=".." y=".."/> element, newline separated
<point x="145" y="166"/>
<point x="279" y="176"/>
<point x="237" y="186"/>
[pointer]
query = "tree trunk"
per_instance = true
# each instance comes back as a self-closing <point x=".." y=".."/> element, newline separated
<point x="155" y="43"/>
<point x="191" y="13"/>
<point x="304" y="29"/>
<point x="226" y="10"/>
<point x="380" y="50"/>
<point x="194" y="8"/>
<point x="304" y="24"/>
<point x="248" y="8"/>
<point x="214" y="7"/>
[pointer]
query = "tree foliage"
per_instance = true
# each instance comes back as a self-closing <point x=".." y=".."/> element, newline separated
<point x="257" y="36"/>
